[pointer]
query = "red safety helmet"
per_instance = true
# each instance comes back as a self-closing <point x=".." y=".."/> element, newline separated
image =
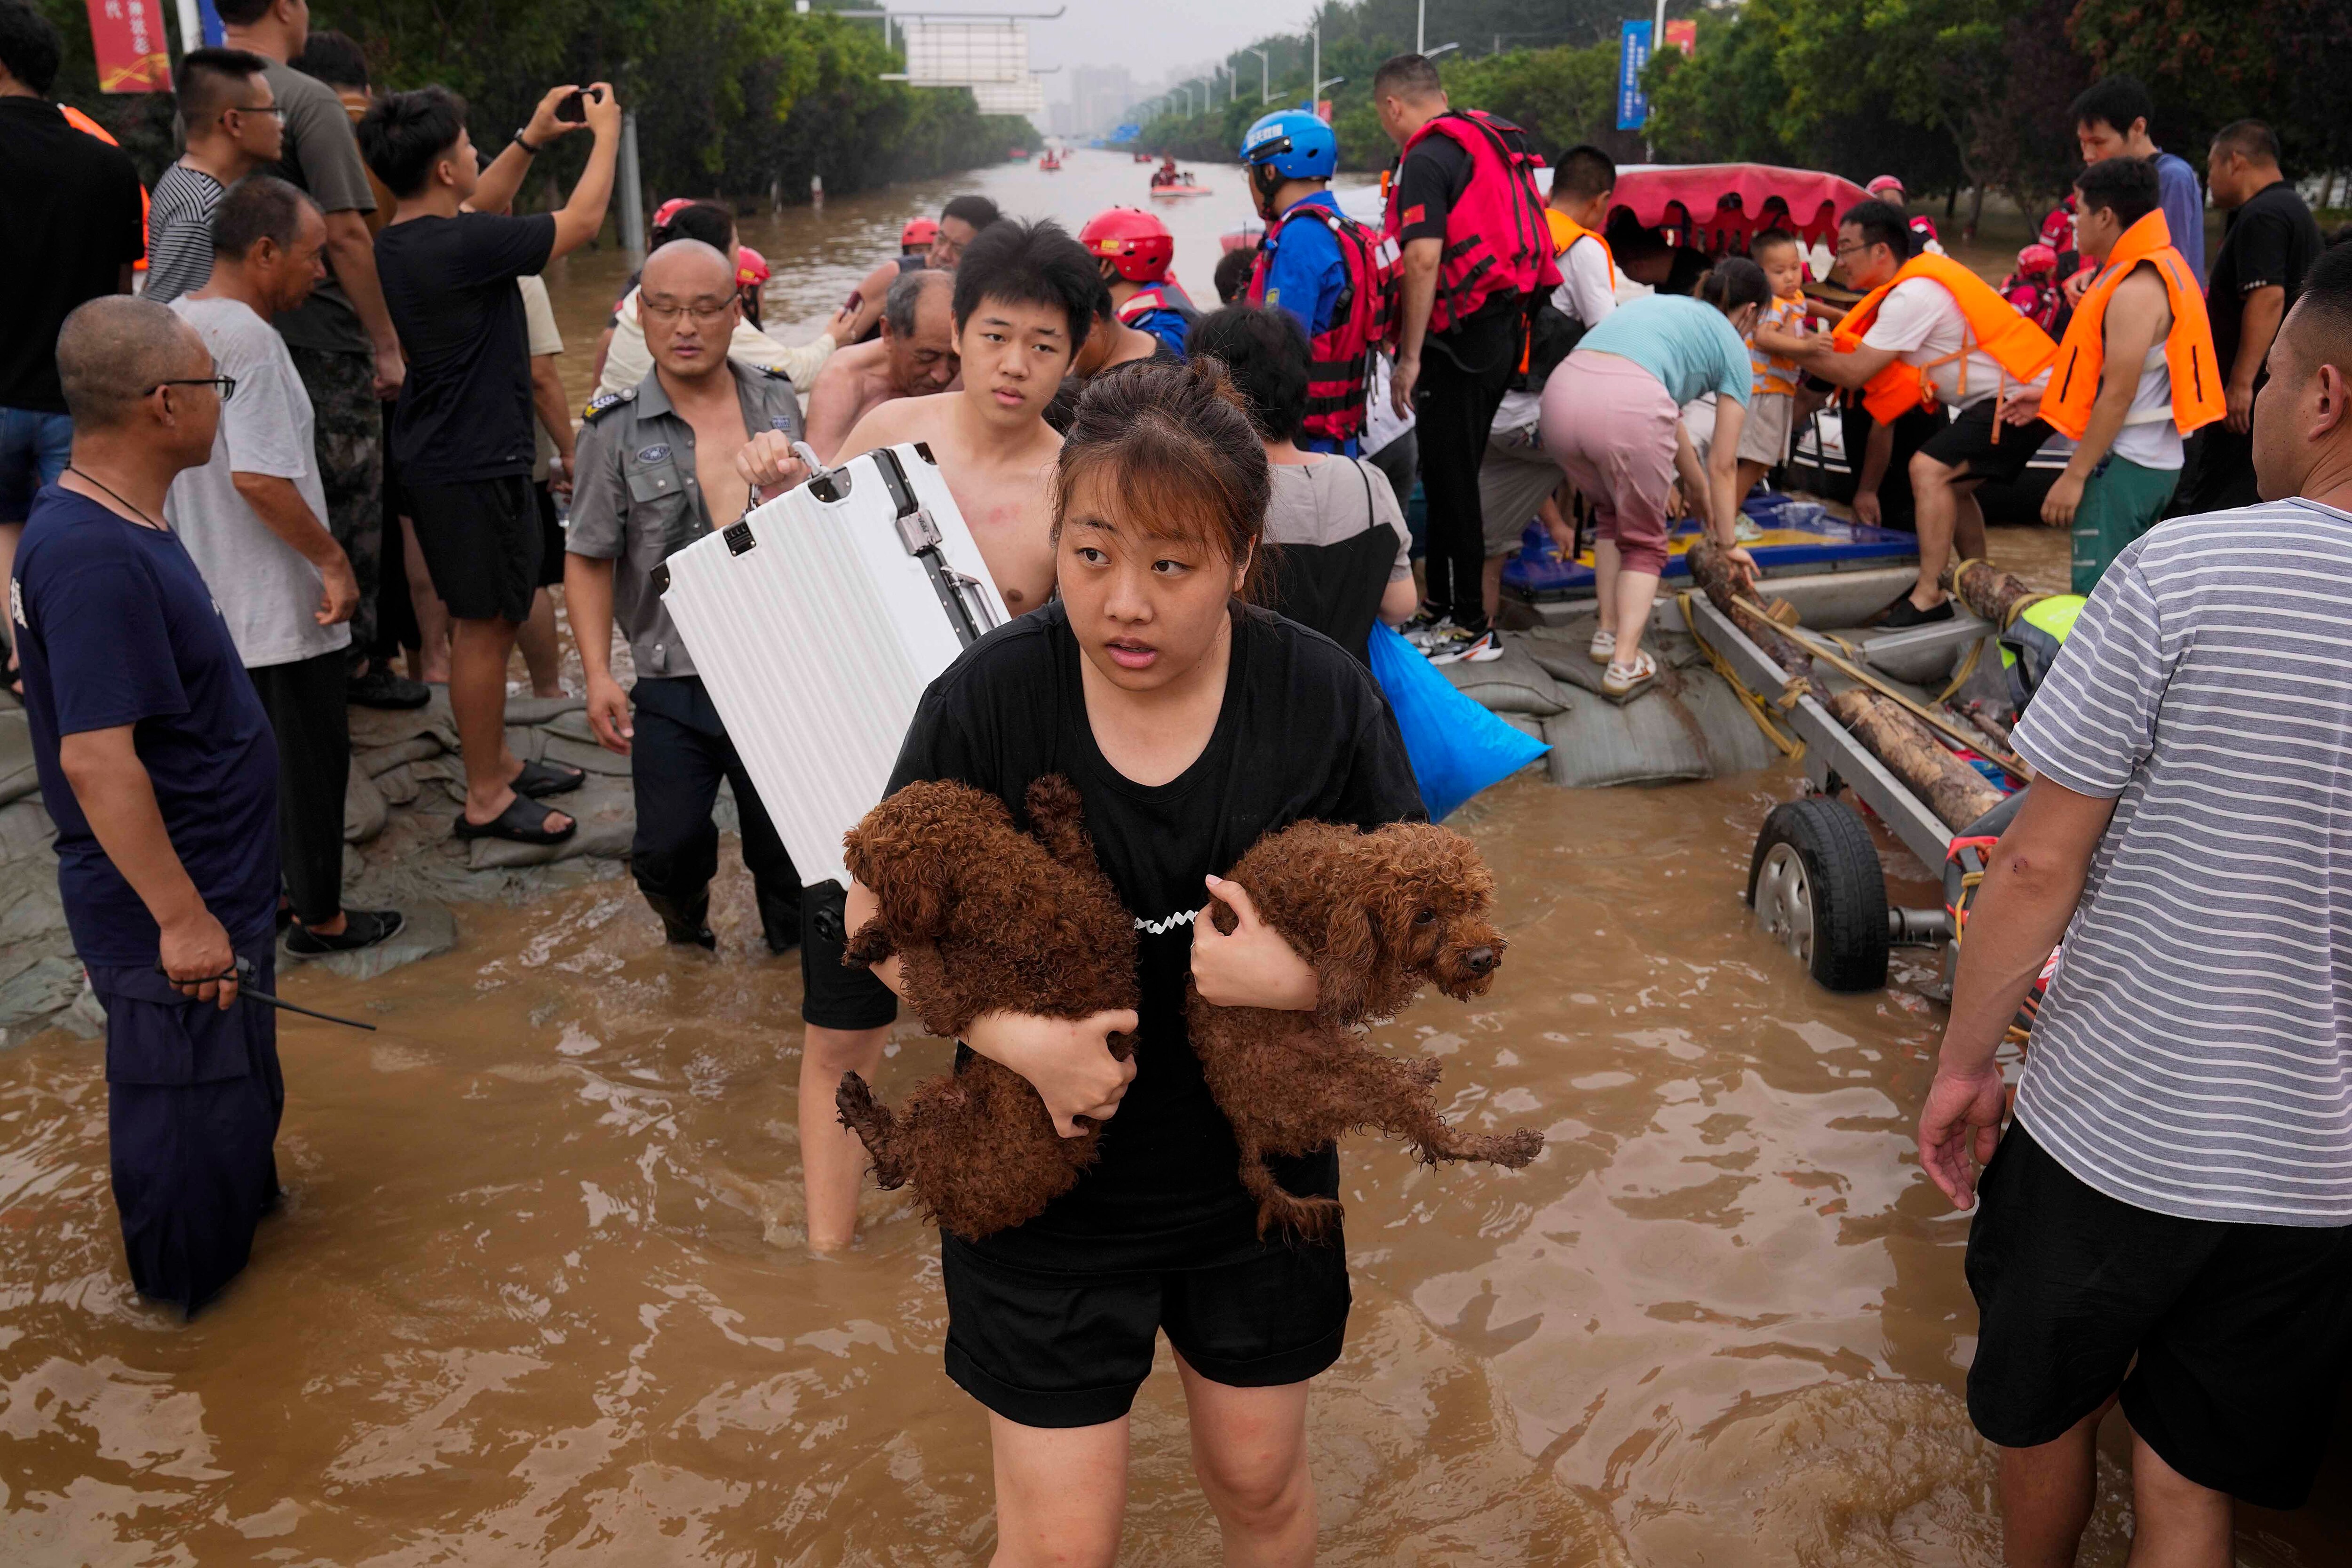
<point x="1136" y="244"/>
<point x="671" y="209"/>
<point x="919" y="233"/>
<point x="751" y="268"/>
<point x="2036" y="259"/>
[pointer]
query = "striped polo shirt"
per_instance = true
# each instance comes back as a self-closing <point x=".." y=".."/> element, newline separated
<point x="2194" y="1054"/>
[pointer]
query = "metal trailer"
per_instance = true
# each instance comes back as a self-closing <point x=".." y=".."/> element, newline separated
<point x="1816" y="882"/>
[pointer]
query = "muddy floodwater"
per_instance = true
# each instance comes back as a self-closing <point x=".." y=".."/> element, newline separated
<point x="538" y="1295"/>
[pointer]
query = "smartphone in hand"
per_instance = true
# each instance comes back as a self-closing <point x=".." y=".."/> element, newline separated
<point x="573" y="109"/>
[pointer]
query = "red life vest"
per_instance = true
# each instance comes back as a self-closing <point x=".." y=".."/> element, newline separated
<point x="1340" y="357"/>
<point x="1165" y="295"/>
<point x="1496" y="241"/>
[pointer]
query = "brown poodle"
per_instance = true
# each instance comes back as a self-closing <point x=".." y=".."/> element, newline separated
<point x="1379" y="915"/>
<point x="984" y="918"/>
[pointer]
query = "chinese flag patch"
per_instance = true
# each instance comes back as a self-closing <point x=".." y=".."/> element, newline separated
<point x="1414" y="213"/>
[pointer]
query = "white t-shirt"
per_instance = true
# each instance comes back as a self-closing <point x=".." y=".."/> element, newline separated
<point x="1587" y="292"/>
<point x="1921" y="320"/>
<point x="2149" y="437"/>
<point x="545" y="338"/>
<point x="266" y="592"/>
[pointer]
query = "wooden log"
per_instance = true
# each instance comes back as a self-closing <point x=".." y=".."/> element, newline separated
<point x="1991" y="593"/>
<point x="1953" y="790"/>
<point x="1725" y="587"/>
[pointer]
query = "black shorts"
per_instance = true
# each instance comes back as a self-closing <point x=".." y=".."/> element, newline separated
<point x="833" y="995"/>
<point x="1968" y="444"/>
<point x="1050" y="1349"/>
<point x="482" y="545"/>
<point x="550" y="537"/>
<point x="2243" y="1332"/>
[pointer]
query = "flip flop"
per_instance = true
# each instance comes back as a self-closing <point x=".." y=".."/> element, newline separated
<point x="539" y="780"/>
<point x="518" y="823"/>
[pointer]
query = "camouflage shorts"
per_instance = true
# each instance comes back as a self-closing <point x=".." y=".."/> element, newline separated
<point x="350" y="439"/>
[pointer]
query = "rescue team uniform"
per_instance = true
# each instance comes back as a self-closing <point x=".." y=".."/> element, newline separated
<point x="115" y="627"/>
<point x="635" y="503"/>
<point x="1163" y="310"/>
<point x="1960" y="346"/>
<point x="1467" y="179"/>
<point x="1340" y="281"/>
<point x="2180" y="389"/>
<point x="1515" y="473"/>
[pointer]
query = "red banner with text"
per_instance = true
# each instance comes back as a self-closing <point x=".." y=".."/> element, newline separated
<point x="1683" y="36"/>
<point x="128" y="37"/>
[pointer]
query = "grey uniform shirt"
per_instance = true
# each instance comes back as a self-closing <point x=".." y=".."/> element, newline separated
<point x="321" y="157"/>
<point x="635" y="499"/>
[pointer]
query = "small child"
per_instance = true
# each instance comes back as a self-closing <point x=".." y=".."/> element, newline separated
<point x="1778" y="337"/>
<point x="2034" y="287"/>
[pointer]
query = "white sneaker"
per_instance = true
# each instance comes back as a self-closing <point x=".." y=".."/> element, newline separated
<point x="1425" y="628"/>
<point x="1459" y="646"/>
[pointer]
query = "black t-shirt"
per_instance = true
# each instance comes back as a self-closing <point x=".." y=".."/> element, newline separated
<point x="2269" y="242"/>
<point x="449" y="282"/>
<point x="72" y="204"/>
<point x="1303" y="734"/>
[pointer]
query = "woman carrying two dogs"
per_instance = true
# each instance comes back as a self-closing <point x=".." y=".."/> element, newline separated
<point x="1192" y="724"/>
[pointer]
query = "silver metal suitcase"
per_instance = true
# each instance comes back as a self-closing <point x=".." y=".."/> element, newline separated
<point x="817" y="621"/>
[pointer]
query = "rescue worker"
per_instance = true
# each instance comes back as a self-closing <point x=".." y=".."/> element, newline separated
<point x="1337" y="278"/>
<point x="1930" y="333"/>
<point x="2135" y="373"/>
<point x="1166" y="173"/>
<point x="915" y="239"/>
<point x="1476" y="253"/>
<point x="1133" y="250"/>
<point x="657" y="466"/>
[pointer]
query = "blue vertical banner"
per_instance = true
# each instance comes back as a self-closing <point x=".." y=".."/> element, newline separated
<point x="1632" y="59"/>
<point x="209" y="24"/>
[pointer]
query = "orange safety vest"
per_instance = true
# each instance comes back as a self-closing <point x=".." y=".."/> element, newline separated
<point x="2023" y="350"/>
<point x="2198" y="396"/>
<point x="1566" y="231"/>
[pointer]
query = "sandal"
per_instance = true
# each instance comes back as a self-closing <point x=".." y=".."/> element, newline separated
<point x="539" y="780"/>
<point x="362" y="928"/>
<point x="1604" y="646"/>
<point x="520" y="823"/>
<point x="1621" y="682"/>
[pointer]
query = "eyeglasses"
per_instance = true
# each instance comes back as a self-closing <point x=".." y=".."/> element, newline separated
<point x="704" y="311"/>
<point x="224" y="384"/>
<point x="1844" y="251"/>
<point x="276" y="111"/>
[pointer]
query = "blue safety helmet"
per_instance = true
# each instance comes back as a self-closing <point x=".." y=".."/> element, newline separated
<point x="1295" y="143"/>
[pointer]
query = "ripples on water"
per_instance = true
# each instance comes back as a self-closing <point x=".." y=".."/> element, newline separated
<point x="537" y="1293"/>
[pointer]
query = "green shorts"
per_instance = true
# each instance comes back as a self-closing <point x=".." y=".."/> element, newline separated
<point x="2121" y="500"/>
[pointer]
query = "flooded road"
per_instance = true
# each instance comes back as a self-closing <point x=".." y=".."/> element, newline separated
<point x="538" y="1295"/>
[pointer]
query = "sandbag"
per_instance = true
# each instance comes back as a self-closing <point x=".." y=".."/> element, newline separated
<point x="1457" y="748"/>
<point x="1515" y="683"/>
<point x="364" y="808"/>
<point x="1654" y="739"/>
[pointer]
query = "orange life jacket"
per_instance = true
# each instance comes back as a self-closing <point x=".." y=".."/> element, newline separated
<point x="1566" y="231"/>
<point x="2023" y="350"/>
<point x="89" y="127"/>
<point x="2198" y="396"/>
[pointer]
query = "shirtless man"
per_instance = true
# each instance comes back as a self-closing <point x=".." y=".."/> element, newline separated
<point x="1024" y="297"/>
<point x="915" y="355"/>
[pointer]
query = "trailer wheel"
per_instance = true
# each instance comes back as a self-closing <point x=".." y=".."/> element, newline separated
<point x="1816" y="885"/>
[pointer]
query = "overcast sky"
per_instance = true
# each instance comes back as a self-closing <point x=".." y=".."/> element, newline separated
<point x="1151" y="39"/>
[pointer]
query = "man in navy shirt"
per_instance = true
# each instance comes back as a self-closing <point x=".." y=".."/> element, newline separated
<point x="157" y="765"/>
<point x="2111" y="120"/>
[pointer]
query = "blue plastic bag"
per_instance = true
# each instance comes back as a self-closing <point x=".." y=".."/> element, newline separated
<point x="1457" y="748"/>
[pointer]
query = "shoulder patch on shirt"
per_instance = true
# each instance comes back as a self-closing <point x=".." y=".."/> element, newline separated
<point x="605" y="401"/>
<point x="1414" y="214"/>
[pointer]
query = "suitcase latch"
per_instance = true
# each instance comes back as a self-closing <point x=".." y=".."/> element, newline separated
<point x="739" y="538"/>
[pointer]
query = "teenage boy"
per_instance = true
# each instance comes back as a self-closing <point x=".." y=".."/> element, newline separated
<point x="2135" y="374"/>
<point x="1930" y="332"/>
<point x="254" y="520"/>
<point x="1023" y="300"/>
<point x="462" y="435"/>
<point x="229" y="125"/>
<point x="1024" y="303"/>
<point x="672" y="440"/>
<point x="914" y="357"/>
<point x="2111" y="120"/>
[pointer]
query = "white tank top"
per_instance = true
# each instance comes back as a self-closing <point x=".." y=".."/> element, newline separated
<point x="2148" y="437"/>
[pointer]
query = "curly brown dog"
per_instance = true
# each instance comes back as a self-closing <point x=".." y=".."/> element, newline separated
<point x="984" y="918"/>
<point x="1379" y="915"/>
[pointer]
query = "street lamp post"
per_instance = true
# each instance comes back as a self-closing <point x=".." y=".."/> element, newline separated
<point x="1421" y="26"/>
<point x="1265" y="69"/>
